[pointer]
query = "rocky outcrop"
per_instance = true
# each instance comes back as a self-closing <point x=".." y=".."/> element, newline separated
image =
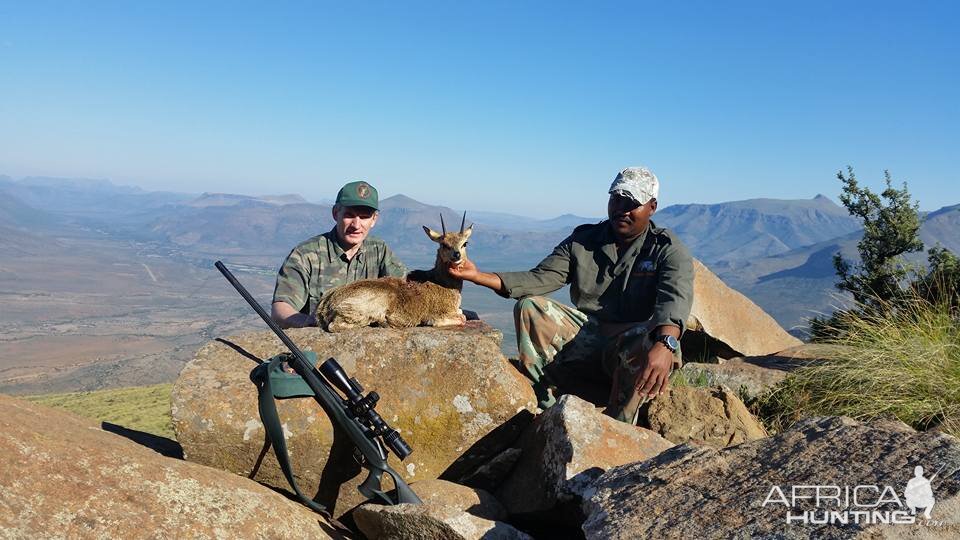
<point x="732" y="324"/>
<point x="61" y="476"/>
<point x="804" y="354"/>
<point x="711" y="416"/>
<point x="449" y="511"/>
<point x="739" y="374"/>
<point x="748" y="491"/>
<point x="565" y="449"/>
<point x="753" y="375"/>
<point x="445" y="390"/>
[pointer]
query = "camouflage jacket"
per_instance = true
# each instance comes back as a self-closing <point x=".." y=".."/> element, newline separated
<point x="651" y="281"/>
<point x="319" y="264"/>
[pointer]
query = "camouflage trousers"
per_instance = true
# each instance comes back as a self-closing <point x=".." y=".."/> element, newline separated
<point x="565" y="351"/>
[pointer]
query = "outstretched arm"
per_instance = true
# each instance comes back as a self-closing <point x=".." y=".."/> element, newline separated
<point x="468" y="271"/>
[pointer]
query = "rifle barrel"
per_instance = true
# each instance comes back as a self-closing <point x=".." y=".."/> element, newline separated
<point x="260" y="311"/>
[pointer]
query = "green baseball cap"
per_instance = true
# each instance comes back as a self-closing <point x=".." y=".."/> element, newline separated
<point x="358" y="194"/>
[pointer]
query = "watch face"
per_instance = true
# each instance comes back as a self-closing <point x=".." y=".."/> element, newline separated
<point x="670" y="341"/>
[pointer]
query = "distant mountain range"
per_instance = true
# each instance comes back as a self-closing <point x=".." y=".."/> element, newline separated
<point x="734" y="233"/>
<point x="777" y="252"/>
<point x="87" y="198"/>
<point x="794" y="285"/>
<point x="229" y="199"/>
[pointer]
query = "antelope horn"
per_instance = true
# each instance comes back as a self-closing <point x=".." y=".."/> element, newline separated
<point x="463" y="221"/>
<point x="442" y="226"/>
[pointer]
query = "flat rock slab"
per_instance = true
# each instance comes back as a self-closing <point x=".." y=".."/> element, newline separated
<point x="61" y="476"/>
<point x="444" y="390"/>
<point x="750" y="490"/>
<point x="449" y="511"/>
<point x="430" y="522"/>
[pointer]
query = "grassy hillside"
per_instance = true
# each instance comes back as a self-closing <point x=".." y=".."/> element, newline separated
<point x="142" y="408"/>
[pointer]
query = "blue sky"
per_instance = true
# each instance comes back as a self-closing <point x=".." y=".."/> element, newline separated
<point x="525" y="107"/>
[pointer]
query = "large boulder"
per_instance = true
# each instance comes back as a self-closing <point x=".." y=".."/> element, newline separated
<point x="732" y="324"/>
<point x="565" y="449"/>
<point x="444" y="390"/>
<point x="765" y="488"/>
<point x="61" y="476"/>
<point x="710" y="416"/>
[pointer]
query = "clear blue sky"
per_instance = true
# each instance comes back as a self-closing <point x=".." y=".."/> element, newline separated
<point x="526" y="107"/>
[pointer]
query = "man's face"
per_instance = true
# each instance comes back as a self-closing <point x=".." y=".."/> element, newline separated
<point x="353" y="224"/>
<point x="627" y="217"/>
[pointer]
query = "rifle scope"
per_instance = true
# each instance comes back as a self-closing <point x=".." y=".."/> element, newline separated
<point x="362" y="407"/>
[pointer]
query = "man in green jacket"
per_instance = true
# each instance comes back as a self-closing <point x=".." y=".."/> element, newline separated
<point x="632" y="285"/>
<point x="342" y="255"/>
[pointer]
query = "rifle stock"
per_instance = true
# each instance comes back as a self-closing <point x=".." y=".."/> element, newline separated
<point x="365" y="433"/>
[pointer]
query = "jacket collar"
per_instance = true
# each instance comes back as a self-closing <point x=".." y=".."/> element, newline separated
<point x="608" y="245"/>
<point x="335" y="250"/>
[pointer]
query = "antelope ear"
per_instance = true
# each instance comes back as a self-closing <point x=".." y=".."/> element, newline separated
<point x="468" y="232"/>
<point x="434" y="235"/>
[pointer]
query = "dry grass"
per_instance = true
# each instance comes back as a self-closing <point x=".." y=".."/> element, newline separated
<point x="904" y="364"/>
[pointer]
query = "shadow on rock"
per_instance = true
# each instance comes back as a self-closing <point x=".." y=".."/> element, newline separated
<point x="162" y="445"/>
<point x="465" y="467"/>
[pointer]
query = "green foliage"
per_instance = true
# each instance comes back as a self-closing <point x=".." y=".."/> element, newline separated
<point x="942" y="283"/>
<point x="883" y="281"/>
<point x="891" y="222"/>
<point x="687" y="377"/>
<point x="142" y="408"/>
<point x="901" y="362"/>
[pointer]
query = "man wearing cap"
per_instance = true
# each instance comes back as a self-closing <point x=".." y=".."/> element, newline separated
<point x="632" y="285"/>
<point x="342" y="255"/>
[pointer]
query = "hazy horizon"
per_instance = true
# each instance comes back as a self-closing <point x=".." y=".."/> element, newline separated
<point x="386" y="195"/>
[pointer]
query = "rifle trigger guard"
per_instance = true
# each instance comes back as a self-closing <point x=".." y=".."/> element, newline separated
<point x="358" y="457"/>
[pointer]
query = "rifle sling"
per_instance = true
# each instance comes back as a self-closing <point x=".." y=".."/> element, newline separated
<point x="274" y="383"/>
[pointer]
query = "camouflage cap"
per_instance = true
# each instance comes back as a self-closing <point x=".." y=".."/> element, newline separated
<point x="358" y="194"/>
<point x="637" y="183"/>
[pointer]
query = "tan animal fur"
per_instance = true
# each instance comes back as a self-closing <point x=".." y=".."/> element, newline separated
<point x="424" y="298"/>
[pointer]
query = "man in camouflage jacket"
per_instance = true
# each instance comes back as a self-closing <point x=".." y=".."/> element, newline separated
<point x="342" y="255"/>
<point x="632" y="285"/>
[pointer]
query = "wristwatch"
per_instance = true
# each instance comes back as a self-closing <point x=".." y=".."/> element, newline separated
<point x="669" y="342"/>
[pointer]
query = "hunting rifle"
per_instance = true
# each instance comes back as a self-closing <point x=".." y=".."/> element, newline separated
<point x="351" y="412"/>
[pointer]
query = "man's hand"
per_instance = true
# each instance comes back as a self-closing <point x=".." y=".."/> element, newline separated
<point x="466" y="270"/>
<point x="654" y="378"/>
